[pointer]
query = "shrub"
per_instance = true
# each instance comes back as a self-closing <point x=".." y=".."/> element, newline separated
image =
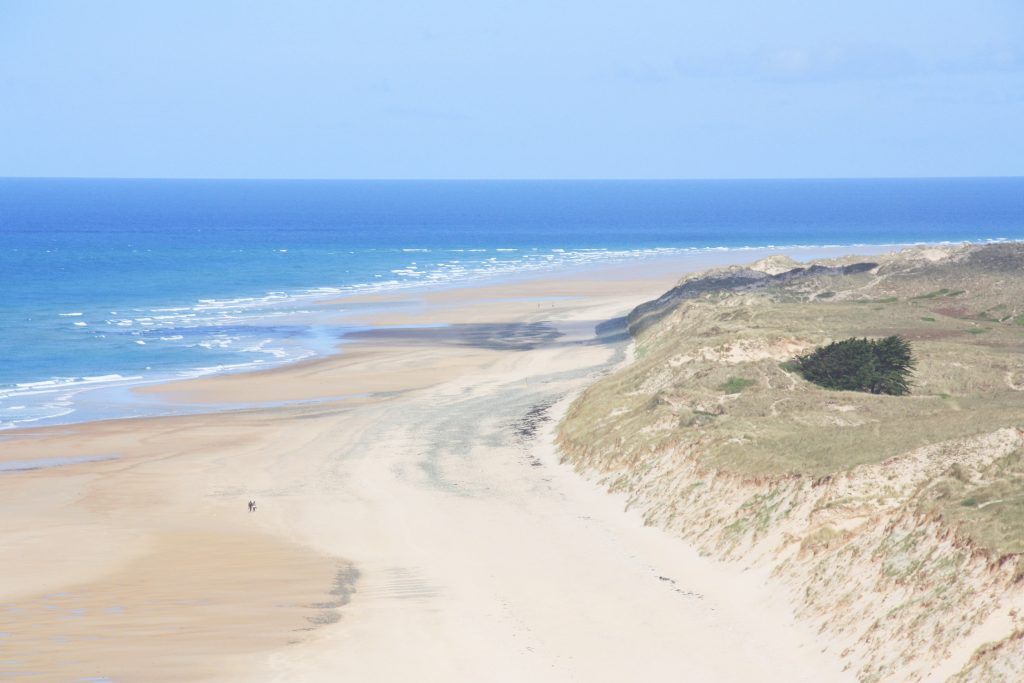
<point x="736" y="384"/>
<point x="878" y="366"/>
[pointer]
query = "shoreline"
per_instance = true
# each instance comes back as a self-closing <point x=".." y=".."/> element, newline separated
<point x="148" y="397"/>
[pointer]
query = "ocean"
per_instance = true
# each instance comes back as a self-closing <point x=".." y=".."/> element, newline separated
<point x="110" y="283"/>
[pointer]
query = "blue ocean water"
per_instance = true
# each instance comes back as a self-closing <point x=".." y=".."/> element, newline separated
<point x="118" y="281"/>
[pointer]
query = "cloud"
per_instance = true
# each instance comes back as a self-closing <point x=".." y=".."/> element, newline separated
<point x="858" y="61"/>
<point x="993" y="59"/>
<point x="849" y="62"/>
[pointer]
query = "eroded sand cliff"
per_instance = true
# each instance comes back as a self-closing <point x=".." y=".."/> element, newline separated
<point x="896" y="522"/>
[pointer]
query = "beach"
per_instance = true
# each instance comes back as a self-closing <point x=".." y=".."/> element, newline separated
<point x="412" y="522"/>
<point x="511" y="342"/>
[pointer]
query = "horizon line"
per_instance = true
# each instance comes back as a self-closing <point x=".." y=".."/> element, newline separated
<point x="512" y="180"/>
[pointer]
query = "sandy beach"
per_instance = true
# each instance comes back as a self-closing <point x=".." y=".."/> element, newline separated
<point x="463" y="342"/>
<point x="413" y="520"/>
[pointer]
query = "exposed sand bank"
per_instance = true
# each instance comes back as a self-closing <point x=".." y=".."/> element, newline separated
<point x="420" y="528"/>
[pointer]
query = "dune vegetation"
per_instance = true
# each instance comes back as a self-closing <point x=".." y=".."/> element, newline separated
<point x="877" y="366"/>
<point x="896" y="520"/>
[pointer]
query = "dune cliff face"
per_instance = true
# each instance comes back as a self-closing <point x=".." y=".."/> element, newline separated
<point x="896" y="523"/>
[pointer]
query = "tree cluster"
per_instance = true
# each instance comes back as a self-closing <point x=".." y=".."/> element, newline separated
<point x="878" y="366"/>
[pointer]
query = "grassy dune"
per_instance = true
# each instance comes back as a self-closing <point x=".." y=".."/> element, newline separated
<point x="715" y="370"/>
<point x="914" y="503"/>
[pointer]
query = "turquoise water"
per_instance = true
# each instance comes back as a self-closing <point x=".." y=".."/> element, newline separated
<point x="113" y="282"/>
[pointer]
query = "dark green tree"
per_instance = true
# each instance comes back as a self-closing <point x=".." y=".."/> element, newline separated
<point x="878" y="366"/>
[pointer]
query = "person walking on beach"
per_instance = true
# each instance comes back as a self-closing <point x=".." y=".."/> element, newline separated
<point x="252" y="506"/>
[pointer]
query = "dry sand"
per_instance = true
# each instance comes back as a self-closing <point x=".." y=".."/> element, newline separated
<point x="412" y="524"/>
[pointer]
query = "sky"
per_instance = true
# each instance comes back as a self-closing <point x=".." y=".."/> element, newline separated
<point x="517" y="89"/>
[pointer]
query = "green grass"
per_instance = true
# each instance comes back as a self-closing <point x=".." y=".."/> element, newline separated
<point x="886" y="300"/>
<point x="735" y="385"/>
<point x="939" y="293"/>
<point x="788" y="425"/>
<point x="988" y="508"/>
<point x="978" y="330"/>
<point x="932" y="295"/>
<point x="927" y="319"/>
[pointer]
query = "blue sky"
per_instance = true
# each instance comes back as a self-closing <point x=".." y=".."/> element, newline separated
<point x="519" y="89"/>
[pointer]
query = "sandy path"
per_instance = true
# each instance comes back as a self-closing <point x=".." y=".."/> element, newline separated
<point x="472" y="553"/>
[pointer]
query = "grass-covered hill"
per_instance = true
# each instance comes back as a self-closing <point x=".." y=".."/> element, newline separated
<point x="715" y="434"/>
